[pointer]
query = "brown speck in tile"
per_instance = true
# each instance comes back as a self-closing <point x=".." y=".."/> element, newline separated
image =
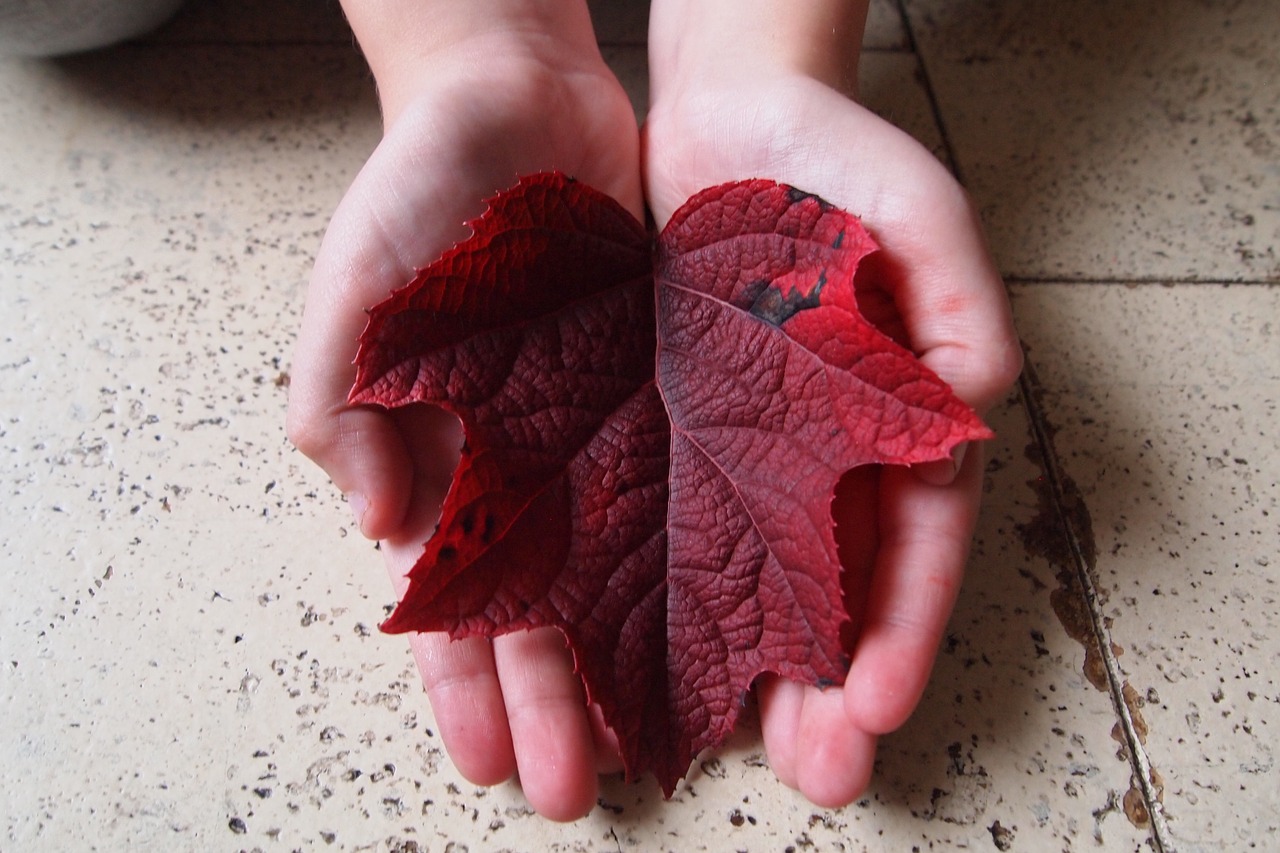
<point x="1001" y="836"/>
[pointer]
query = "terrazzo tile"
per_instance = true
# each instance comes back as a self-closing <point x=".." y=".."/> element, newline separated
<point x="1163" y="403"/>
<point x="189" y="657"/>
<point x="153" y="247"/>
<point x="1109" y="141"/>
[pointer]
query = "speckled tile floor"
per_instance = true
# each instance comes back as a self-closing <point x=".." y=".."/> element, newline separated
<point x="187" y="657"/>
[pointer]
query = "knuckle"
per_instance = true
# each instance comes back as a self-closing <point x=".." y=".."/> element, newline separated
<point x="1006" y="367"/>
<point x="306" y="433"/>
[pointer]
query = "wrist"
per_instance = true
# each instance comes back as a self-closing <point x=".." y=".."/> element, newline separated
<point x="715" y="42"/>
<point x="406" y="41"/>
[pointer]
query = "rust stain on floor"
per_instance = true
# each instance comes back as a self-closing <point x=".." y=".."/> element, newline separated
<point x="1045" y="536"/>
<point x="1061" y="532"/>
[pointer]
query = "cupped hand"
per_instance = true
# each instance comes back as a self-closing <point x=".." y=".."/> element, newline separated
<point x="904" y="534"/>
<point x="475" y="117"/>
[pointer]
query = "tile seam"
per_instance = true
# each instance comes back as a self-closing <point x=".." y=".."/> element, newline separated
<point x="926" y="81"/>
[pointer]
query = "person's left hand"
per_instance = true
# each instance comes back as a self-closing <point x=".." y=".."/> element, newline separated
<point x="904" y="533"/>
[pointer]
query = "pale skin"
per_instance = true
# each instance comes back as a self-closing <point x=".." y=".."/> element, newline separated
<point x="474" y="94"/>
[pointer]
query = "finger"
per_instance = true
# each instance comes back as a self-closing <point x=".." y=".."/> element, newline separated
<point x="945" y="285"/>
<point x="924" y="539"/>
<point x="855" y="512"/>
<point x="466" y="699"/>
<point x="547" y="712"/>
<point x="941" y="472"/>
<point x="834" y="758"/>
<point x="781" y="702"/>
<point x="432" y="438"/>
<point x="934" y="259"/>
<point x="359" y="449"/>
<point x="386" y="226"/>
<point x="812" y="744"/>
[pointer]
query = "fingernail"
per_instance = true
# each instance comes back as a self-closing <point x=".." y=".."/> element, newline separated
<point x="358" y="505"/>
<point x="957" y="455"/>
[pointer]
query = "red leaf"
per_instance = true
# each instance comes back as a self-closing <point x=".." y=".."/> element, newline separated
<point x="652" y="472"/>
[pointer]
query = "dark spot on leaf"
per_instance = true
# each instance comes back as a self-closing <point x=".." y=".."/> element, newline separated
<point x="797" y="196"/>
<point x="776" y="309"/>
<point x="448" y="552"/>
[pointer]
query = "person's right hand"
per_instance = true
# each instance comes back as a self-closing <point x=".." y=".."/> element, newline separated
<point x="463" y="120"/>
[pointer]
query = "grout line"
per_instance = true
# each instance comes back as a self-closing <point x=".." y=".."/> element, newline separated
<point x="1140" y="763"/>
<point x="935" y="110"/>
